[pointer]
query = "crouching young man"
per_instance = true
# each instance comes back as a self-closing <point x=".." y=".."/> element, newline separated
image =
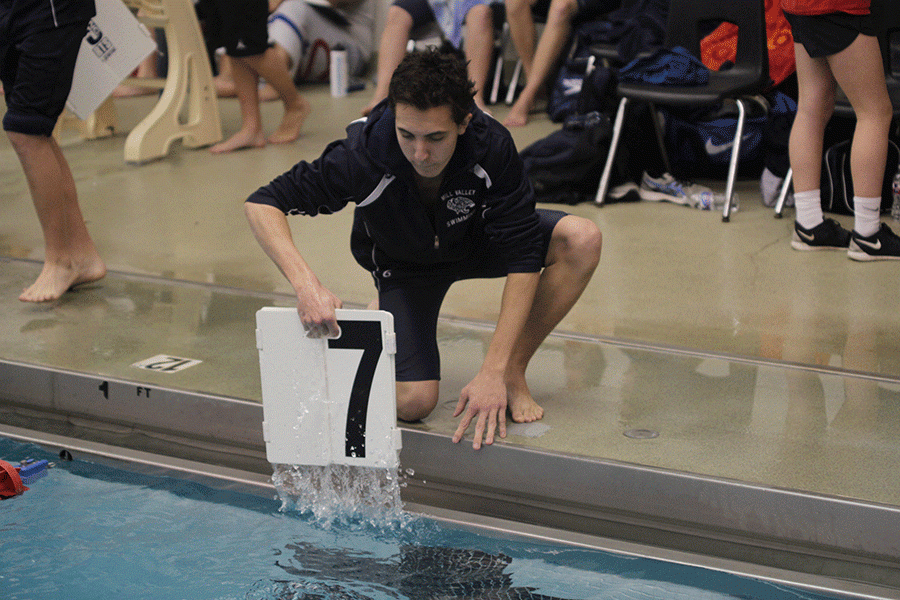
<point x="441" y="196"/>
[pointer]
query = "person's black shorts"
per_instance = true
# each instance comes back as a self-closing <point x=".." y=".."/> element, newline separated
<point x="415" y="305"/>
<point x="826" y="35"/>
<point x="36" y="71"/>
<point x="240" y="26"/>
<point x="587" y="9"/>
<point x="419" y="10"/>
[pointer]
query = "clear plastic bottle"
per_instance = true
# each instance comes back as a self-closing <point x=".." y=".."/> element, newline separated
<point x="895" y="207"/>
<point x="338" y="74"/>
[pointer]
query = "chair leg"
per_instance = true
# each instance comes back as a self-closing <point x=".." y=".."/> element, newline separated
<point x="611" y="156"/>
<point x="495" y="86"/>
<point x="514" y="83"/>
<point x="659" y="129"/>
<point x="733" y="166"/>
<point x="499" y="49"/>
<point x="782" y="195"/>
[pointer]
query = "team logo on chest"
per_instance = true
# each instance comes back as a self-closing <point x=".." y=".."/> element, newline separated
<point x="460" y="202"/>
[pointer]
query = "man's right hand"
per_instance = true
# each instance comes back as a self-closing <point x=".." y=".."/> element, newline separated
<point x="315" y="305"/>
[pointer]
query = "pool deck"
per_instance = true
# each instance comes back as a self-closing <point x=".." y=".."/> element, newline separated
<point x="714" y="392"/>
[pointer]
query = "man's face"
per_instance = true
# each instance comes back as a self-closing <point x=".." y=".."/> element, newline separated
<point x="428" y="137"/>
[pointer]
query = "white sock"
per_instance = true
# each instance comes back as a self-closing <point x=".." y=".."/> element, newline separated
<point x="808" y="208"/>
<point x="866" y="215"/>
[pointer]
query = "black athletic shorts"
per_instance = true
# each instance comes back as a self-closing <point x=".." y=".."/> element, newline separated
<point x="826" y="35"/>
<point x="36" y="71"/>
<point x="239" y="26"/>
<point x="587" y="9"/>
<point x="416" y="302"/>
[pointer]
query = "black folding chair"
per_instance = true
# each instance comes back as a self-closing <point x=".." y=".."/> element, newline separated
<point x="688" y="22"/>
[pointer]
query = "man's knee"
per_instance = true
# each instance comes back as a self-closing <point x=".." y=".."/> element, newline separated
<point x="416" y="399"/>
<point x="480" y="14"/>
<point x="577" y="240"/>
<point x="398" y="17"/>
<point x="25" y="144"/>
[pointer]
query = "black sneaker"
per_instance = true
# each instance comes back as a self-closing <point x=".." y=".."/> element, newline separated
<point x="882" y="245"/>
<point x="827" y="235"/>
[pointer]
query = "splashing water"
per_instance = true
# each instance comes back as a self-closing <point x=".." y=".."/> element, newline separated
<point x="341" y="494"/>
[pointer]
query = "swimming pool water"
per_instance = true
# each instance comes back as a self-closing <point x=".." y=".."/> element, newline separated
<point x="88" y="532"/>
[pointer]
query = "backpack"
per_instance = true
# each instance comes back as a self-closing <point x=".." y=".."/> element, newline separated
<point x="837" y="183"/>
<point x="699" y="141"/>
<point x="565" y="166"/>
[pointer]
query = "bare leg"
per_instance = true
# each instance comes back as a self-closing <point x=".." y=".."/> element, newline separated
<point x="268" y="92"/>
<point x="521" y="30"/>
<point x="272" y="66"/>
<point x="553" y="39"/>
<point x="815" y="105"/>
<point x="858" y="70"/>
<point x="571" y="260"/>
<point x="250" y="135"/>
<point x="391" y="51"/>
<point x="224" y="81"/>
<point x="70" y="257"/>
<point x="479" y="46"/>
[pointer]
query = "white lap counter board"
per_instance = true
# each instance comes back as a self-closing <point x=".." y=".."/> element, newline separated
<point x="329" y="400"/>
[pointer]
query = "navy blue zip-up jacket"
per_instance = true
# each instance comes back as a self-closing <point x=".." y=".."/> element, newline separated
<point x="27" y="16"/>
<point x="485" y="194"/>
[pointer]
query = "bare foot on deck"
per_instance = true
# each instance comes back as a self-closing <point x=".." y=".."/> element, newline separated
<point x="517" y="116"/>
<point x="242" y="139"/>
<point x="56" y="278"/>
<point x="291" y="122"/>
<point x="521" y="406"/>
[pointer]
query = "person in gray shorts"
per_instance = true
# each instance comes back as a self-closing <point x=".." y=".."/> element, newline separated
<point x="306" y="32"/>
<point x="301" y="34"/>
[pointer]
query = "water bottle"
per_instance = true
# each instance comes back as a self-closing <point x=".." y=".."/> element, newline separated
<point x="895" y="207"/>
<point x="338" y="75"/>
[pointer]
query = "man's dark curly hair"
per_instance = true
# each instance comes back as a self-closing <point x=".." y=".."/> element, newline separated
<point x="430" y="78"/>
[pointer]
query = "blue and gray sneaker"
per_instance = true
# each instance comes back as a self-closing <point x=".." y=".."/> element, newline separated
<point x="668" y="189"/>
<point x="884" y="244"/>
<point x="827" y="235"/>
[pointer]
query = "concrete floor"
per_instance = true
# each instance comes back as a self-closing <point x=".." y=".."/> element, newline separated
<point x="751" y="361"/>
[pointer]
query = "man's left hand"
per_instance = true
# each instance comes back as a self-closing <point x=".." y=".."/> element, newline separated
<point x="484" y="398"/>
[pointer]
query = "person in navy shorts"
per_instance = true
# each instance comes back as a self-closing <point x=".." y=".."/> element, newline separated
<point x="39" y="42"/>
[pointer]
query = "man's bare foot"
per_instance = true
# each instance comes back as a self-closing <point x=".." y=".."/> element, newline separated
<point x="521" y="406"/>
<point x="291" y="122"/>
<point x="56" y="278"/>
<point x="242" y="139"/>
<point x="517" y="116"/>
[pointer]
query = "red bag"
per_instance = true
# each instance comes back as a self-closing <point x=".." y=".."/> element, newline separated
<point x="720" y="46"/>
<point x="10" y="482"/>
